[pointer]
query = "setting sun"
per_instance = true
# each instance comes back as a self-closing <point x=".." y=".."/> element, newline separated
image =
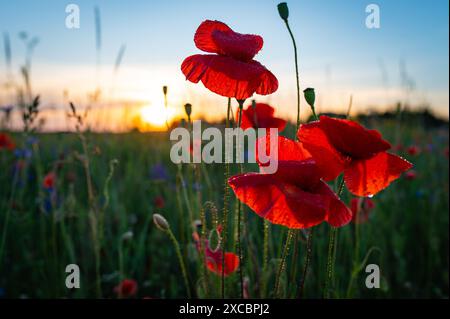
<point x="156" y="116"/>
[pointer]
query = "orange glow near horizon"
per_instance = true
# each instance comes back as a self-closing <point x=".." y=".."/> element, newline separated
<point x="155" y="117"/>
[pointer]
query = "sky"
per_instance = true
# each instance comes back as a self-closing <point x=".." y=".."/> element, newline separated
<point x="406" y="59"/>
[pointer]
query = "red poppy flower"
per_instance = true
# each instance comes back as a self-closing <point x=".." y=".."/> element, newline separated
<point x="6" y="142"/>
<point x="230" y="71"/>
<point x="126" y="288"/>
<point x="214" y="258"/>
<point x="342" y="145"/>
<point x="294" y="196"/>
<point x="260" y="116"/>
<point x="49" y="180"/>
<point x="413" y="150"/>
<point x="159" y="202"/>
<point x="411" y="175"/>
<point x="361" y="209"/>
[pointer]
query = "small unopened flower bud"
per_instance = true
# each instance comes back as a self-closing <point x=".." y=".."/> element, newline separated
<point x="161" y="222"/>
<point x="214" y="240"/>
<point x="127" y="235"/>
<point x="310" y="96"/>
<point x="165" y="89"/>
<point x="283" y="10"/>
<point x="188" y="109"/>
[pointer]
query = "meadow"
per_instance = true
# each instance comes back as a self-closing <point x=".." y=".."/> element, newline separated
<point x="98" y="215"/>
<point x="358" y="207"/>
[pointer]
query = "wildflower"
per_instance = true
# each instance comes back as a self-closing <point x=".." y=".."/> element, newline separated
<point x="342" y="145"/>
<point x="158" y="172"/>
<point x="413" y="150"/>
<point x="230" y="71"/>
<point x="6" y="142"/>
<point x="159" y="202"/>
<point x="294" y="196"/>
<point x="126" y="288"/>
<point x="411" y="175"/>
<point x="260" y="116"/>
<point x="214" y="258"/>
<point x="361" y="209"/>
<point x="49" y="180"/>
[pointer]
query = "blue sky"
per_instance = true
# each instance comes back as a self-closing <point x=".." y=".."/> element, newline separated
<point x="338" y="54"/>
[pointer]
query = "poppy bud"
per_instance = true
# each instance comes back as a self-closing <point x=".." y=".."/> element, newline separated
<point x="127" y="235"/>
<point x="214" y="240"/>
<point x="310" y="96"/>
<point x="165" y="89"/>
<point x="283" y="10"/>
<point x="188" y="109"/>
<point x="161" y="222"/>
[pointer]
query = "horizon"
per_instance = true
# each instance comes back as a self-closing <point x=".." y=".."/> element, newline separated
<point x="370" y="65"/>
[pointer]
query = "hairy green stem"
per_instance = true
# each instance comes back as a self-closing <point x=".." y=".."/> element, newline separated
<point x="332" y="252"/>
<point x="309" y="242"/>
<point x="296" y="72"/>
<point x="180" y="260"/>
<point x="282" y="265"/>
<point x="225" y="208"/>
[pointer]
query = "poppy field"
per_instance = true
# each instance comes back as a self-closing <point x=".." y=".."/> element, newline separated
<point x="358" y="206"/>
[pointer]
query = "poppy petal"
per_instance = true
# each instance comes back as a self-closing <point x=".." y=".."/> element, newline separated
<point x="231" y="264"/>
<point x="217" y="37"/>
<point x="260" y="116"/>
<point x="368" y="177"/>
<point x="353" y="139"/>
<point x="280" y="203"/>
<point x="330" y="162"/>
<point x="287" y="150"/>
<point x="338" y="214"/>
<point x="229" y="77"/>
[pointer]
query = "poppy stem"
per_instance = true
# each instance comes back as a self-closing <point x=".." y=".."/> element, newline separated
<point x="241" y="170"/>
<point x="296" y="71"/>
<point x="225" y="207"/>
<point x="282" y="265"/>
<point x="307" y="262"/>
<point x="265" y="256"/>
<point x="180" y="260"/>
<point x="332" y="251"/>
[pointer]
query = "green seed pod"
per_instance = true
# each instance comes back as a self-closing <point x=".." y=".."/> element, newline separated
<point x="283" y="10"/>
<point x="161" y="222"/>
<point x="188" y="109"/>
<point x="310" y="96"/>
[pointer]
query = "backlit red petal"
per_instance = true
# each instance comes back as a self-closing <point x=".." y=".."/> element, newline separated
<point x="368" y="177"/>
<point x="229" y="77"/>
<point x="217" y="37"/>
<point x="287" y="150"/>
<point x="352" y="139"/>
<point x="338" y="214"/>
<point x="329" y="160"/>
<point x="280" y="203"/>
